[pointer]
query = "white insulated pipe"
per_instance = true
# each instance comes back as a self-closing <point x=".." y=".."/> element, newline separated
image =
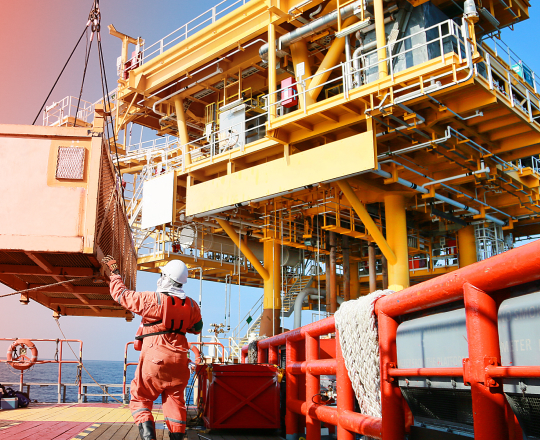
<point x="300" y="300"/>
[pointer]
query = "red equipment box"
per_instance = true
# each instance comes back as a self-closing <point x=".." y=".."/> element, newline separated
<point x="243" y="396"/>
<point x="289" y="93"/>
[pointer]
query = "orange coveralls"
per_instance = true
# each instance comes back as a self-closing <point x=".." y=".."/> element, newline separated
<point x="163" y="363"/>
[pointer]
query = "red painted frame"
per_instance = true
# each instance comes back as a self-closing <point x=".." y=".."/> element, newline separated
<point x="476" y="285"/>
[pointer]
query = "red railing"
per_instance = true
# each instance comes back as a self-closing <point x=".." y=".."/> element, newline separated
<point x="60" y="361"/>
<point x="480" y="287"/>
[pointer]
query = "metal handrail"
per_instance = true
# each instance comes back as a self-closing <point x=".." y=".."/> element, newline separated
<point x="208" y="17"/>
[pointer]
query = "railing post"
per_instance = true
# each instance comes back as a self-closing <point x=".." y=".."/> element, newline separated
<point x="313" y="388"/>
<point x="291" y="418"/>
<point x="488" y="401"/>
<point x="345" y="400"/>
<point x="393" y="422"/>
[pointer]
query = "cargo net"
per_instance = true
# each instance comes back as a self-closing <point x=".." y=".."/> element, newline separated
<point x="359" y="341"/>
<point x="113" y="231"/>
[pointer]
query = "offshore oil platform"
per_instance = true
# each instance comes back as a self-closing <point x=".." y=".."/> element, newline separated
<point x="322" y="150"/>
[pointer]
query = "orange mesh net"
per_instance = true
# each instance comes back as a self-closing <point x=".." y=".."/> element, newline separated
<point x="112" y="227"/>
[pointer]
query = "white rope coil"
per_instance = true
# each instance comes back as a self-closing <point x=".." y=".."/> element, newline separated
<point x="359" y="340"/>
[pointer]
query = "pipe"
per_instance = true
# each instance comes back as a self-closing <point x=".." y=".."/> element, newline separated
<point x="300" y="300"/>
<point x="312" y="28"/>
<point x="439" y="197"/>
<point x="372" y="268"/>
<point x="333" y="283"/>
<point x="459" y="176"/>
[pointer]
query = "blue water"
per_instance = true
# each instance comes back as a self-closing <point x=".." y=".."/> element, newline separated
<point x="104" y="372"/>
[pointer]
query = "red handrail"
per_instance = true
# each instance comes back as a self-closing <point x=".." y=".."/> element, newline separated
<point x="476" y="285"/>
<point x="60" y="361"/>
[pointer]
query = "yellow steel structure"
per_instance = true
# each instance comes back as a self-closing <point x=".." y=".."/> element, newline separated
<point x="400" y="140"/>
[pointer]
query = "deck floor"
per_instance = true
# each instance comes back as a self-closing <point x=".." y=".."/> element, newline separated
<point x="96" y="421"/>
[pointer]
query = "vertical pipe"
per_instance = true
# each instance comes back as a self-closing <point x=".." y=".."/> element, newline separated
<point x="80" y="368"/>
<point x="372" y="268"/>
<point x="313" y="388"/>
<point x="182" y="126"/>
<point x="346" y="268"/>
<point x="396" y="236"/>
<point x="333" y="283"/>
<point x="488" y="401"/>
<point x="272" y="83"/>
<point x="291" y="418"/>
<point x="384" y="262"/>
<point x="345" y="400"/>
<point x="300" y="54"/>
<point x="21" y="381"/>
<point x="393" y="422"/>
<point x="466" y="246"/>
<point x="355" y="284"/>
<point x="381" y="37"/>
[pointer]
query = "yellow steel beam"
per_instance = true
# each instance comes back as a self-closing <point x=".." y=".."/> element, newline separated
<point x="244" y="248"/>
<point x="368" y="222"/>
<point x="330" y="60"/>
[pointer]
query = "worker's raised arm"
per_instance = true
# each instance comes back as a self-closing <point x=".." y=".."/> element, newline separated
<point x="144" y="304"/>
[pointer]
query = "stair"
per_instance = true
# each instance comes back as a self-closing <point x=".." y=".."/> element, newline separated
<point x="301" y="283"/>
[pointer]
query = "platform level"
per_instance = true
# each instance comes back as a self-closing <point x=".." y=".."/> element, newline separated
<point x="98" y="421"/>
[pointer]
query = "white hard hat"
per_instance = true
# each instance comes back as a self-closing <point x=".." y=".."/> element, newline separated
<point x="176" y="270"/>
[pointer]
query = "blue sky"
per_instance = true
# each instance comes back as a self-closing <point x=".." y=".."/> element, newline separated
<point x="36" y="40"/>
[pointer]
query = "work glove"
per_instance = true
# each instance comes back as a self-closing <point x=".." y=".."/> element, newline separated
<point x="111" y="264"/>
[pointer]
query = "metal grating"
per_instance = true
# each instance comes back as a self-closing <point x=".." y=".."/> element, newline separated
<point x="70" y="163"/>
<point x="15" y="258"/>
<point x="453" y="406"/>
<point x="527" y="410"/>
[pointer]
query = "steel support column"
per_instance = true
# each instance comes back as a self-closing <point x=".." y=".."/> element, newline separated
<point x="483" y="340"/>
<point x="396" y="236"/>
<point x="466" y="246"/>
<point x="270" y="319"/>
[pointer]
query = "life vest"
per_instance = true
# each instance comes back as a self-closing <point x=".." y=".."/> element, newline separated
<point x="175" y="319"/>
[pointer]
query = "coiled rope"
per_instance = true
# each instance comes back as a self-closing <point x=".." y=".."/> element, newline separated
<point x="359" y="340"/>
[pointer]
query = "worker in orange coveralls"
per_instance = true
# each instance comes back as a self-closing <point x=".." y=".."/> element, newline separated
<point x="167" y="315"/>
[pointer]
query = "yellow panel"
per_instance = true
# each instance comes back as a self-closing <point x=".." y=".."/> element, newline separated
<point x="331" y="161"/>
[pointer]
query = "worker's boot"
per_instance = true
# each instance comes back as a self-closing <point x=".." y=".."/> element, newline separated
<point x="177" y="436"/>
<point x="147" y="430"/>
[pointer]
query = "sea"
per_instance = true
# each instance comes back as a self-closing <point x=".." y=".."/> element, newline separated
<point x="104" y="372"/>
